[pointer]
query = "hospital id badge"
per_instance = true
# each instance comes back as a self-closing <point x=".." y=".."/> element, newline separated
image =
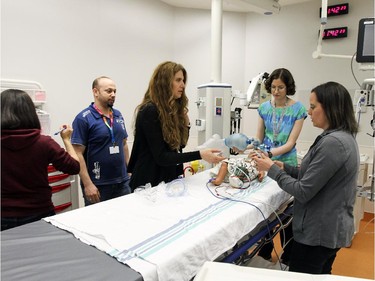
<point x="114" y="149"/>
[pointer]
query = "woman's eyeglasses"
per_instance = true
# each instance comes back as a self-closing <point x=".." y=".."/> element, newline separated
<point x="279" y="88"/>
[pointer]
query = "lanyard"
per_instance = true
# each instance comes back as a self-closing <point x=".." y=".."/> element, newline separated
<point x="110" y="125"/>
<point x="277" y="125"/>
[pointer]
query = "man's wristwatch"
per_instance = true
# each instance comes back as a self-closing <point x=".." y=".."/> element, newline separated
<point x="270" y="154"/>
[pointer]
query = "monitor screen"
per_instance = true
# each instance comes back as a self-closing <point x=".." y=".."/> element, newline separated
<point x="365" y="43"/>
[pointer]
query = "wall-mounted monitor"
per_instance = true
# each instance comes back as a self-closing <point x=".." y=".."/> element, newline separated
<point x="365" y="43"/>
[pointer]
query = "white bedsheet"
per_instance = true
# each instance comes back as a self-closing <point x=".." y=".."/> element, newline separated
<point x="170" y="238"/>
<point x="214" y="271"/>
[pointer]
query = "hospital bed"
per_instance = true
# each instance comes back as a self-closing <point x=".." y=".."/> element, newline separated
<point x="154" y="234"/>
<point x="40" y="251"/>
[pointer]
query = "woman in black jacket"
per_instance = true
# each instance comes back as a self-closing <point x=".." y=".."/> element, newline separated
<point x="162" y="130"/>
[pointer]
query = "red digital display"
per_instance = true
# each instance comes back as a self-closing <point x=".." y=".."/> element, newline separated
<point x="336" y="10"/>
<point x="337" y="32"/>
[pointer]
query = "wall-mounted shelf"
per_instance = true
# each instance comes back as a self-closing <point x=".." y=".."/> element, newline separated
<point x="33" y="88"/>
<point x="37" y="94"/>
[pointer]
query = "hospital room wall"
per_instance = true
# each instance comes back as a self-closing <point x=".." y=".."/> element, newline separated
<point x="192" y="48"/>
<point x="253" y="43"/>
<point x="289" y="39"/>
<point x="64" y="45"/>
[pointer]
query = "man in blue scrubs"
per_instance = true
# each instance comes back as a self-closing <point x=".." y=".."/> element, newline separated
<point x="100" y="140"/>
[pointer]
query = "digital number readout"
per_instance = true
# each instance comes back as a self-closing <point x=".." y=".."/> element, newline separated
<point x="338" y="32"/>
<point x="336" y="10"/>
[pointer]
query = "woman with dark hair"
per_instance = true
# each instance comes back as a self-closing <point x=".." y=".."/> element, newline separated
<point x="324" y="187"/>
<point x="25" y="156"/>
<point x="279" y="125"/>
<point x="162" y="130"/>
<point x="281" y="119"/>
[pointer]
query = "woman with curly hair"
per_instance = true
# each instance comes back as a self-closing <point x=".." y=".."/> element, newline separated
<point x="162" y="130"/>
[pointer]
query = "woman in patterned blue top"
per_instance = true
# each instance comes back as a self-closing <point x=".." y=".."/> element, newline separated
<point x="280" y="123"/>
<point x="281" y="118"/>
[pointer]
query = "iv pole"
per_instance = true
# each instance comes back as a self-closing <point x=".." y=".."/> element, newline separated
<point x="370" y="194"/>
<point x="372" y="188"/>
